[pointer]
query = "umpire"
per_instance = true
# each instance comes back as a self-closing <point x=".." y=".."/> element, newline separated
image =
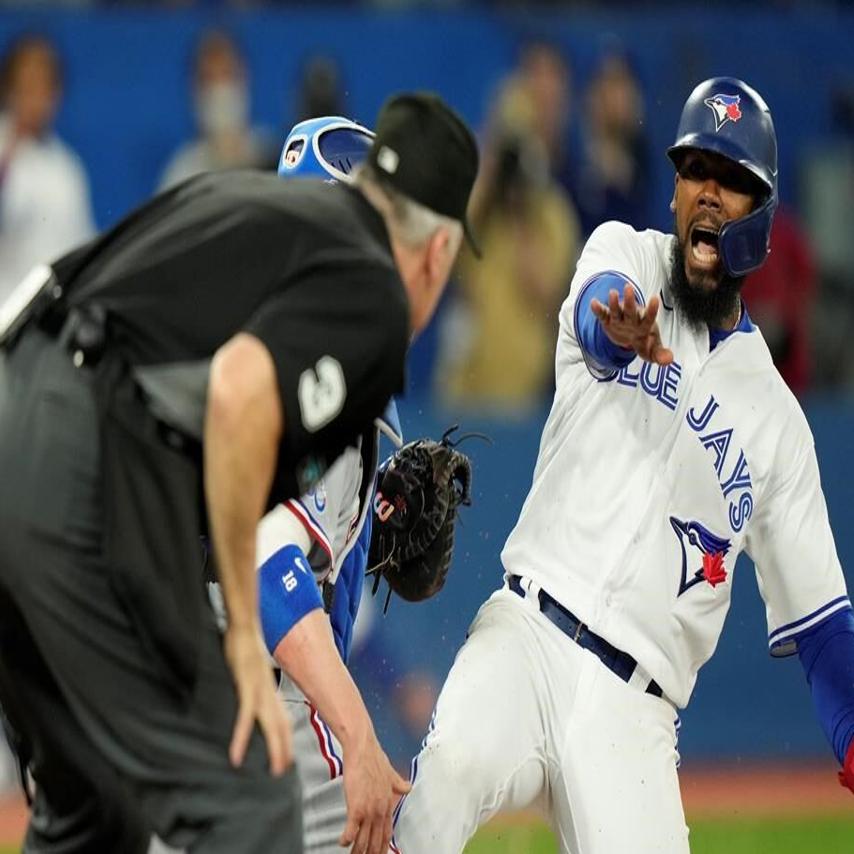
<point x="166" y="384"/>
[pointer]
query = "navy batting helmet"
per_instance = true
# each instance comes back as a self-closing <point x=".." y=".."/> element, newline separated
<point x="726" y="116"/>
<point x="329" y="147"/>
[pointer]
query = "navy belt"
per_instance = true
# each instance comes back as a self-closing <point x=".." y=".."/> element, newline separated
<point x="615" y="660"/>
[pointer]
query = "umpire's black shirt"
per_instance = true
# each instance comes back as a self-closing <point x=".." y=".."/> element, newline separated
<point x="304" y="266"/>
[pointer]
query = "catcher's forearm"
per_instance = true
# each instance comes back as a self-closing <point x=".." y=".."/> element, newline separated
<point x="308" y="654"/>
<point x="243" y="427"/>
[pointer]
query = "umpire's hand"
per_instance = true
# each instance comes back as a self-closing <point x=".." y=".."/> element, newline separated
<point x="257" y="699"/>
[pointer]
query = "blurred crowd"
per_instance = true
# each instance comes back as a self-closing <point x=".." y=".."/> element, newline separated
<point x="547" y="183"/>
<point x="558" y="158"/>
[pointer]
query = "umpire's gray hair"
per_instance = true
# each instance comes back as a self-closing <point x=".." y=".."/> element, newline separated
<point x="412" y="223"/>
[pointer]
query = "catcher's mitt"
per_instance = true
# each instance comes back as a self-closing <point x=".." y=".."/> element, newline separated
<point x="420" y="487"/>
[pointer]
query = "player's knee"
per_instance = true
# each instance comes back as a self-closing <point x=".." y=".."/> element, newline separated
<point x="460" y="764"/>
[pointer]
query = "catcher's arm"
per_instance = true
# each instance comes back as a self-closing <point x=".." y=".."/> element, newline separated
<point x="371" y="786"/>
<point x="419" y="490"/>
<point x="298" y="634"/>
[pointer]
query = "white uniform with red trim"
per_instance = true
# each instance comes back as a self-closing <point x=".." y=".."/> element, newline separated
<point x="650" y="481"/>
<point x="325" y="524"/>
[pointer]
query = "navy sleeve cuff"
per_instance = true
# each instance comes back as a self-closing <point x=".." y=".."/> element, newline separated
<point x="602" y="355"/>
<point x="826" y="652"/>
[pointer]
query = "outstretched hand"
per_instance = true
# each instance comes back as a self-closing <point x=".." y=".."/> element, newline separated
<point x="633" y="326"/>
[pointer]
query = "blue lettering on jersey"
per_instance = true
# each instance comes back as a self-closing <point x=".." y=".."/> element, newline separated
<point x="660" y="382"/>
<point x="733" y="481"/>
<point x="718" y="443"/>
<point x="701" y="421"/>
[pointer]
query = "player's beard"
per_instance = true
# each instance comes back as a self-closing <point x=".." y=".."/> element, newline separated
<point x="699" y="305"/>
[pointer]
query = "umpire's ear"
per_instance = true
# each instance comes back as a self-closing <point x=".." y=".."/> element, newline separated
<point x="441" y="252"/>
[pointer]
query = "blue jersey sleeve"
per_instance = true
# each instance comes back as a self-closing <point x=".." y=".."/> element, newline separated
<point x="600" y="352"/>
<point x="826" y="652"/>
<point x="348" y="590"/>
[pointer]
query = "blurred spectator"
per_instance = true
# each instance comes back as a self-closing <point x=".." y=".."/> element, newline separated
<point x="44" y="192"/>
<point x="780" y="297"/>
<point x="535" y="99"/>
<point x="611" y="179"/>
<point x="827" y="193"/>
<point x="320" y="91"/>
<point x="221" y="104"/>
<point x="499" y="343"/>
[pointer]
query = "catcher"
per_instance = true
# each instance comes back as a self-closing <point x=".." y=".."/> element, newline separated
<point x="313" y="553"/>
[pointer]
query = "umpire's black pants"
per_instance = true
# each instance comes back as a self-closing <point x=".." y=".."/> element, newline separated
<point x="75" y="676"/>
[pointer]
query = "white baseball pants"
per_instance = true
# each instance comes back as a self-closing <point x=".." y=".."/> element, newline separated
<point x="528" y="719"/>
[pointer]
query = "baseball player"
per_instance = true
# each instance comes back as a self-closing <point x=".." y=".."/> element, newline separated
<point x="317" y="546"/>
<point x="313" y="552"/>
<point x="672" y="446"/>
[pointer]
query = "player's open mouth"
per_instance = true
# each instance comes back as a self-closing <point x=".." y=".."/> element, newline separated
<point x="704" y="246"/>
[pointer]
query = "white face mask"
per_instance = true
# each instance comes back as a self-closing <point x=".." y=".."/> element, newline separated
<point x="222" y="107"/>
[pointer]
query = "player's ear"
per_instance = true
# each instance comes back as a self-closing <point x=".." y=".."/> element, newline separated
<point x="675" y="188"/>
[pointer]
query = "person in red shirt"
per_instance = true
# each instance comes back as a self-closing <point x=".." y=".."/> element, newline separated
<point x="781" y="294"/>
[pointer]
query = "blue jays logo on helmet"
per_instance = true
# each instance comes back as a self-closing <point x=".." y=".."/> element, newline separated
<point x="699" y="546"/>
<point x="725" y="108"/>
<point x="330" y="147"/>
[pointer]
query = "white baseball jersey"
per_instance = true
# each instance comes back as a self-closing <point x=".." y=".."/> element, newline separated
<point x="651" y="480"/>
<point x="324" y="523"/>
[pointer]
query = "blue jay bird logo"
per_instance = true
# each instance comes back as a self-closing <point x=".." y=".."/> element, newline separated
<point x="700" y="547"/>
<point x="725" y="108"/>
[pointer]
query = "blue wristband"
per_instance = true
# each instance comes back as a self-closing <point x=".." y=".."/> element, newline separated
<point x="287" y="591"/>
<point x="597" y="346"/>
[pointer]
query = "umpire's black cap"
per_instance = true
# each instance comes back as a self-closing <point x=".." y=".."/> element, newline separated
<point x="426" y="151"/>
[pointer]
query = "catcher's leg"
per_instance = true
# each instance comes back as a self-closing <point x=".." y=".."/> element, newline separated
<point x="486" y="748"/>
<point x="319" y="760"/>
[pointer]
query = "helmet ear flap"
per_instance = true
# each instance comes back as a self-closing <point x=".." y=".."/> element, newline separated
<point x="745" y="243"/>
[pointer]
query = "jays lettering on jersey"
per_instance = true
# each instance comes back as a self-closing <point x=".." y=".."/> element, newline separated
<point x="690" y="464"/>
